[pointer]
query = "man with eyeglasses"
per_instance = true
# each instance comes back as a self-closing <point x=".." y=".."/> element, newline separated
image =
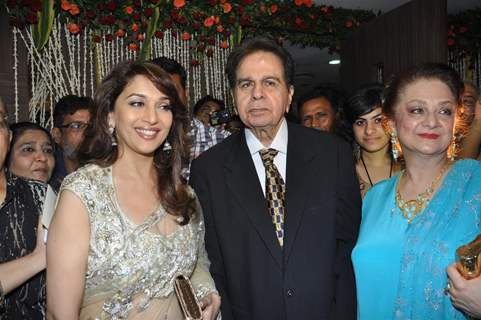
<point x="71" y="117"/>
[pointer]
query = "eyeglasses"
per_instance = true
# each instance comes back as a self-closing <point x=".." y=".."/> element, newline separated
<point x="76" y="125"/>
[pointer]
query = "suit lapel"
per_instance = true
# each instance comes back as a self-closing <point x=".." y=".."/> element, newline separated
<point x="299" y="156"/>
<point x="242" y="180"/>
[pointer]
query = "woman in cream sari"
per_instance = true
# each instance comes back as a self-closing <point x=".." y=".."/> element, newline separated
<point x="126" y="225"/>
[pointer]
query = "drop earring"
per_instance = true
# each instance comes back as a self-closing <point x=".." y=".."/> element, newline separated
<point x="394" y="146"/>
<point x="167" y="146"/>
<point x="112" y="136"/>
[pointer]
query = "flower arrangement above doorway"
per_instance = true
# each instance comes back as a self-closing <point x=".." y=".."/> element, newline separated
<point x="199" y="22"/>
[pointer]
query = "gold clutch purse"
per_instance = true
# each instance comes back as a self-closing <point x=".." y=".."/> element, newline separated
<point x="468" y="259"/>
<point x="187" y="299"/>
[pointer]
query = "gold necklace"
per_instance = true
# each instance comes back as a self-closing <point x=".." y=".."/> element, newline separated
<point x="411" y="208"/>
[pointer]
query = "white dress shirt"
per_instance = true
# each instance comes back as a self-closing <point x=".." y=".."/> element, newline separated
<point x="279" y="143"/>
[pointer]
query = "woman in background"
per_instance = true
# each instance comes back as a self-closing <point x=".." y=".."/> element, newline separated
<point x="31" y="152"/>
<point x="22" y="250"/>
<point x="373" y="150"/>
<point x="125" y="224"/>
<point x="413" y="222"/>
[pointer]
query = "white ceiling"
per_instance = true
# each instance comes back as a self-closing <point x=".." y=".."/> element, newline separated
<point x="312" y="63"/>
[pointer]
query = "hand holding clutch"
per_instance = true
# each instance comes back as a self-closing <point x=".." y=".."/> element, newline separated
<point x="468" y="259"/>
<point x="187" y="298"/>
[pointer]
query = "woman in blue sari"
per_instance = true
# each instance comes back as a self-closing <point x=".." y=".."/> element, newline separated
<point x="413" y="222"/>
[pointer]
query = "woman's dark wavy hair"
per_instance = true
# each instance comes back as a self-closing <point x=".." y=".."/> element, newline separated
<point x="97" y="145"/>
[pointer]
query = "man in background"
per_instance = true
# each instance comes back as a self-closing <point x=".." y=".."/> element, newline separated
<point x="71" y="116"/>
<point x="318" y="109"/>
<point x="203" y="135"/>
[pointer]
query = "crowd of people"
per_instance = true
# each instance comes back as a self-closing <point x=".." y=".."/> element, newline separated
<point x="354" y="212"/>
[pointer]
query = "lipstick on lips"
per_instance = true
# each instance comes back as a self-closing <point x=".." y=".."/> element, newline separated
<point x="431" y="136"/>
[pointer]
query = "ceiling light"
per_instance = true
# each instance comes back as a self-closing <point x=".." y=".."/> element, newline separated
<point x="335" y="61"/>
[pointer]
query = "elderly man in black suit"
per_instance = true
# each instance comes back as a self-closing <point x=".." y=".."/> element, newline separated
<point x="281" y="202"/>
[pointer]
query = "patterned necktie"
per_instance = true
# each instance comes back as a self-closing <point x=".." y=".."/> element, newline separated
<point x="275" y="192"/>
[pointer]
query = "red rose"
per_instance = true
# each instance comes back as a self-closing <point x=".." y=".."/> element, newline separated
<point x="179" y="3"/>
<point x="167" y="24"/>
<point x="210" y="52"/>
<point x="148" y="12"/>
<point x="182" y="20"/>
<point x="213" y="2"/>
<point x="111" y="6"/>
<point x="308" y="3"/>
<point x="73" y="28"/>
<point x="101" y="6"/>
<point x="120" y="33"/>
<point x="298" y="2"/>
<point x="227" y="7"/>
<point x="140" y="37"/>
<point x="463" y="29"/>
<point x="185" y="36"/>
<point x="209" y="21"/>
<point x="202" y="37"/>
<point x="111" y="19"/>
<point x="224" y="44"/>
<point x="211" y="41"/>
<point x="220" y="28"/>
<point x="451" y="32"/>
<point x="134" y="27"/>
<point x="174" y="33"/>
<point x="451" y="42"/>
<point x="89" y="13"/>
<point x="31" y="17"/>
<point x="174" y="13"/>
<point x="196" y="26"/>
<point x="137" y="3"/>
<point x="74" y="10"/>
<point x="194" y="63"/>
<point x="196" y="15"/>
<point x="298" y="20"/>
<point x="136" y="16"/>
<point x="348" y="24"/>
<point x="133" y="46"/>
<point x="159" y="34"/>
<point x="109" y="37"/>
<point x="97" y="39"/>
<point x="244" y="21"/>
<point x="274" y="8"/>
<point x="240" y="10"/>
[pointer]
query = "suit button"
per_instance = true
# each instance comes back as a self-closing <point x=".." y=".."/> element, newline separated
<point x="289" y="293"/>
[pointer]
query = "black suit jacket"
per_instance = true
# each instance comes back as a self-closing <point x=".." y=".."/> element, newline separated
<point x="311" y="277"/>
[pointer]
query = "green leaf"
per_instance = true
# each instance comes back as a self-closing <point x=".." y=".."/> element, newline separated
<point x="41" y="31"/>
<point x="145" y="51"/>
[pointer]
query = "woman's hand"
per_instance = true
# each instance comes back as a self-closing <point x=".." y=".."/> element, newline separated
<point x="210" y="305"/>
<point x="465" y="294"/>
<point x="40" y="251"/>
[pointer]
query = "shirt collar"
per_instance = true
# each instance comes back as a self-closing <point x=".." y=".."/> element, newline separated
<point x="279" y="143"/>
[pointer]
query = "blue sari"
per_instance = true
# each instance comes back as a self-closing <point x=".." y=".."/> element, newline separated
<point x="400" y="268"/>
